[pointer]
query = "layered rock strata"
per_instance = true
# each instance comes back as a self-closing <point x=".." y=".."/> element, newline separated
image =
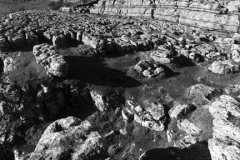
<point x="221" y="15"/>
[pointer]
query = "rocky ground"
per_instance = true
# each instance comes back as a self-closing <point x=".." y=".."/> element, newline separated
<point x="99" y="87"/>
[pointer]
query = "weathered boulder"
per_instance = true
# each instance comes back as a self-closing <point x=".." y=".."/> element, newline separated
<point x="148" y="69"/>
<point x="225" y="143"/>
<point x="180" y="110"/>
<point x="189" y="127"/>
<point x="51" y="60"/>
<point x="9" y="64"/>
<point x="200" y="94"/>
<point x="90" y="40"/>
<point x="161" y="56"/>
<point x="99" y="102"/>
<point x="235" y="53"/>
<point x="67" y="138"/>
<point x="224" y="149"/>
<point x="224" y="67"/>
<point x="152" y="116"/>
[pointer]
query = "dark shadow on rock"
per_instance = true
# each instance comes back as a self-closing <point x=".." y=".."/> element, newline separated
<point x="169" y="72"/>
<point x="25" y="48"/>
<point x="71" y="43"/>
<point x="94" y="71"/>
<point x="184" y="62"/>
<point x="198" y="151"/>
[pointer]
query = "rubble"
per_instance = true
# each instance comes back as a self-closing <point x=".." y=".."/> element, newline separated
<point x="148" y="69"/>
<point x="9" y="64"/>
<point x="153" y="116"/>
<point x="189" y="127"/>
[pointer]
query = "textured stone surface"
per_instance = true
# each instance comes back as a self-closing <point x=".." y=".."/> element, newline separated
<point x="51" y="60"/>
<point x="203" y="14"/>
<point x="200" y="93"/>
<point x="67" y="138"/>
<point x="148" y="69"/>
<point x="225" y="143"/>
<point x="153" y="116"/>
<point x="99" y="102"/>
<point x="224" y="67"/>
<point x="189" y="127"/>
<point x="180" y="110"/>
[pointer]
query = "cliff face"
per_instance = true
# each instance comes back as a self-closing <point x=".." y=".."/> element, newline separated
<point x="218" y="15"/>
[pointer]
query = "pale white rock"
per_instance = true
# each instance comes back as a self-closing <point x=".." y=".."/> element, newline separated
<point x="222" y="110"/>
<point x="224" y="149"/>
<point x="148" y="69"/>
<point x="180" y="110"/>
<point x="9" y="64"/>
<point x="236" y="38"/>
<point x="225" y="143"/>
<point x="99" y="102"/>
<point x="53" y="62"/>
<point x="224" y="67"/>
<point x="170" y="134"/>
<point x="188" y="127"/>
<point x="152" y="117"/>
<point x="67" y="136"/>
<point x="157" y="111"/>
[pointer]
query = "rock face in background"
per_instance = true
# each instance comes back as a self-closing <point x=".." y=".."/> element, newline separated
<point x="201" y="14"/>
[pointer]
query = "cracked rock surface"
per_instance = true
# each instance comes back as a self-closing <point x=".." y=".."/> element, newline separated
<point x="140" y="80"/>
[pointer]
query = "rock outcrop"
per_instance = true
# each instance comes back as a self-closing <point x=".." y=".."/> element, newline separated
<point x="152" y="116"/>
<point x="219" y="15"/>
<point x="68" y="138"/>
<point x="225" y="143"/>
<point x="51" y="60"/>
<point x="224" y="67"/>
